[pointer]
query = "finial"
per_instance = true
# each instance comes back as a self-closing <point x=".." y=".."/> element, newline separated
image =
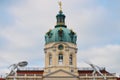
<point x="60" y="4"/>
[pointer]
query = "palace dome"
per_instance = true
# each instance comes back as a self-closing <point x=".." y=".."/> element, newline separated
<point x="60" y="33"/>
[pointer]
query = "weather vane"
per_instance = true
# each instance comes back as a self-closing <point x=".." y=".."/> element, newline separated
<point x="60" y="4"/>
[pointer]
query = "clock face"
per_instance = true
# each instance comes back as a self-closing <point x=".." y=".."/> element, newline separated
<point x="60" y="47"/>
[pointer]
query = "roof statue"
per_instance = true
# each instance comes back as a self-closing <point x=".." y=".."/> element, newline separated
<point x="14" y="68"/>
<point x="96" y="69"/>
<point x="60" y="4"/>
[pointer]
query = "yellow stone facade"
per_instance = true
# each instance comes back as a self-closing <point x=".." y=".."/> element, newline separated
<point x="52" y="49"/>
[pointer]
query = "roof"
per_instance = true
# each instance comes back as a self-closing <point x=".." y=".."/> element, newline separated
<point x="81" y="71"/>
<point x="118" y="78"/>
<point x="89" y="71"/>
<point x="30" y="70"/>
<point x="2" y="79"/>
<point x="60" y="34"/>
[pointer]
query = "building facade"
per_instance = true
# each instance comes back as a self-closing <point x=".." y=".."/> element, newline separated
<point x="60" y="58"/>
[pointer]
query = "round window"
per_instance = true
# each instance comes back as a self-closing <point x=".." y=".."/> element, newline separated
<point x="60" y="47"/>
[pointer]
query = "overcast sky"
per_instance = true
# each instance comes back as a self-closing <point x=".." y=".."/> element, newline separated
<point x="23" y="24"/>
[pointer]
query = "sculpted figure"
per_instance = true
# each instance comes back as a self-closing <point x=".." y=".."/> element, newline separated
<point x="72" y="36"/>
<point x="60" y="33"/>
<point x="46" y="38"/>
<point x="96" y="69"/>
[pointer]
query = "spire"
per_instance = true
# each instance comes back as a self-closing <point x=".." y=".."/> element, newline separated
<point x="60" y="17"/>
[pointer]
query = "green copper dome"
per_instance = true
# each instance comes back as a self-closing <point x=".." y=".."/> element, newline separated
<point x="60" y="33"/>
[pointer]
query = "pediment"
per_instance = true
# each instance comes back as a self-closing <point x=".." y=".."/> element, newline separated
<point x="60" y="73"/>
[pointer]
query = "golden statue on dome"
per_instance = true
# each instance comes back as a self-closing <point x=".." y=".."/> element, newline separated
<point x="60" y="4"/>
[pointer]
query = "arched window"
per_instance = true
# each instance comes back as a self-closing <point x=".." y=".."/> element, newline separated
<point x="70" y="60"/>
<point x="50" y="59"/>
<point x="60" y="59"/>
